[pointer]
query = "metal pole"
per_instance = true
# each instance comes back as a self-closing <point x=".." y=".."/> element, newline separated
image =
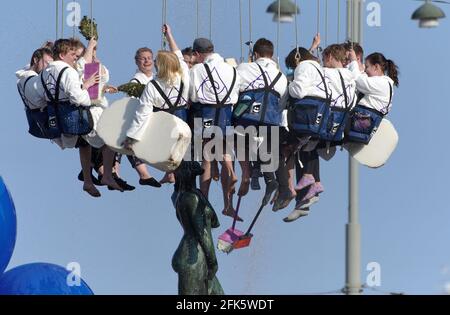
<point x="57" y="19"/>
<point x="62" y="18"/>
<point x="353" y="228"/>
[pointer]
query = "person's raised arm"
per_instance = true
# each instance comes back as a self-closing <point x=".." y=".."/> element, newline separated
<point x="89" y="53"/>
<point x="167" y="31"/>
<point x="315" y="44"/>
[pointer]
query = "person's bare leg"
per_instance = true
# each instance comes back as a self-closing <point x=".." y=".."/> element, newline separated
<point x="205" y="179"/>
<point x="85" y="159"/>
<point x="228" y="171"/>
<point x="224" y="181"/>
<point x="229" y="180"/>
<point x="289" y="156"/>
<point x="245" y="181"/>
<point x="108" y="160"/>
<point x="117" y="168"/>
<point x="143" y="171"/>
<point x="168" y="178"/>
<point x="215" y="174"/>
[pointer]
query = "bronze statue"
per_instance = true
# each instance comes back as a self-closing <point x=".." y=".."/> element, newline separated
<point x="195" y="258"/>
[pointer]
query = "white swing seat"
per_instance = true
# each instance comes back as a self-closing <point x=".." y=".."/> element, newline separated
<point x="165" y="141"/>
<point x="380" y="148"/>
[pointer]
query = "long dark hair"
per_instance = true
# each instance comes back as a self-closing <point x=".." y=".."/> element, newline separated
<point x="38" y="55"/>
<point x="387" y="66"/>
<point x="290" y="60"/>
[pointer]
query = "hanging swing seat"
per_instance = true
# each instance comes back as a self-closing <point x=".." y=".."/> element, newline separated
<point x="380" y="148"/>
<point x="164" y="143"/>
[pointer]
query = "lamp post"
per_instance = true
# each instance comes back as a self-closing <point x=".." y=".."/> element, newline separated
<point x="428" y="15"/>
<point x="287" y="11"/>
<point x="353" y="228"/>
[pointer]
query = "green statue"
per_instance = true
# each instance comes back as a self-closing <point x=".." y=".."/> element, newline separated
<point x="195" y="258"/>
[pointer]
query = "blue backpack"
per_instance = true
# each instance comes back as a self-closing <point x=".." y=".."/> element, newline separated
<point x="335" y="119"/>
<point x="219" y="114"/>
<point x="64" y="117"/>
<point x="364" y="121"/>
<point x="174" y="109"/>
<point x="37" y="118"/>
<point x="306" y="115"/>
<point x="259" y="107"/>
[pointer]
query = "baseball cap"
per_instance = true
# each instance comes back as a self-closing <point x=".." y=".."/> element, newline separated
<point x="203" y="45"/>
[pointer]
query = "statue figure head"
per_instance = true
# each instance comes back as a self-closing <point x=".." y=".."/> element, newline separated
<point x="186" y="174"/>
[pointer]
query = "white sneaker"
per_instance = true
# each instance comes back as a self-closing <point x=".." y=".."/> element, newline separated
<point x="295" y="215"/>
<point x="301" y="209"/>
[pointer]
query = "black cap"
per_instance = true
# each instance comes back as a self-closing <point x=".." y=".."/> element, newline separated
<point x="203" y="45"/>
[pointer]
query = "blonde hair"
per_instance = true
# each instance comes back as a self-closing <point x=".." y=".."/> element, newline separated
<point x="169" y="66"/>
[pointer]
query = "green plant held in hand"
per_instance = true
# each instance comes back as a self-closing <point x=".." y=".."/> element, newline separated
<point x="132" y="89"/>
<point x="88" y="28"/>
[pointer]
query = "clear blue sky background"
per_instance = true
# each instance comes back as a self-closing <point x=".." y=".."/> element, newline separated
<point x="125" y="242"/>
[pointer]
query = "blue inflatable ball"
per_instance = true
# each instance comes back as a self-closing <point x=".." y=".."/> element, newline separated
<point x="8" y="226"/>
<point x="41" y="279"/>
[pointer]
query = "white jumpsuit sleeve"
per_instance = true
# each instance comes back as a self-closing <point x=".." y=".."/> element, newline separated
<point x="71" y="84"/>
<point x="186" y="75"/>
<point x="301" y="84"/>
<point x="143" y="114"/>
<point x="192" y="91"/>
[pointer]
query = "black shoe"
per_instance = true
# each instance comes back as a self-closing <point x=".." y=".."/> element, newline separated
<point x="150" y="182"/>
<point x="271" y="187"/>
<point x="256" y="172"/>
<point x="254" y="183"/>
<point x="95" y="180"/>
<point x="123" y="184"/>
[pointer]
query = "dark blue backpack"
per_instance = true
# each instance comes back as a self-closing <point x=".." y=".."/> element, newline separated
<point x="37" y="119"/>
<point x="365" y="121"/>
<point x="219" y="114"/>
<point x="306" y="115"/>
<point x="335" y="119"/>
<point x="174" y="109"/>
<point x="259" y="107"/>
<point x="65" y="117"/>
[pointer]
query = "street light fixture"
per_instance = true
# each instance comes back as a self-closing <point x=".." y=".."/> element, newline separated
<point x="429" y="14"/>
<point x="287" y="11"/>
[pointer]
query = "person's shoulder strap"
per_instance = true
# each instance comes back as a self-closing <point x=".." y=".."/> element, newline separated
<point x="161" y="92"/>
<point x="22" y="93"/>
<point x="231" y="88"/>
<point x="268" y="86"/>
<point x="211" y="79"/>
<point x="266" y="82"/>
<point x="360" y="96"/>
<point x="135" y="80"/>
<point x="180" y="94"/>
<point x="58" y="83"/>
<point x="275" y="81"/>
<point x="47" y="92"/>
<point x="344" y="89"/>
<point x="391" y="92"/>
<point x="327" y="96"/>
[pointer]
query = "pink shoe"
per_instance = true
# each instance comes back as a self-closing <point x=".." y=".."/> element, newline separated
<point x="315" y="190"/>
<point x="305" y="181"/>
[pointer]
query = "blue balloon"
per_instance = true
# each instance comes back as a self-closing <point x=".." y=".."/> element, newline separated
<point x="41" y="279"/>
<point x="8" y="226"/>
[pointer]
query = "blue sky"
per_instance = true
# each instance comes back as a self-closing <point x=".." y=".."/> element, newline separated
<point x="125" y="242"/>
